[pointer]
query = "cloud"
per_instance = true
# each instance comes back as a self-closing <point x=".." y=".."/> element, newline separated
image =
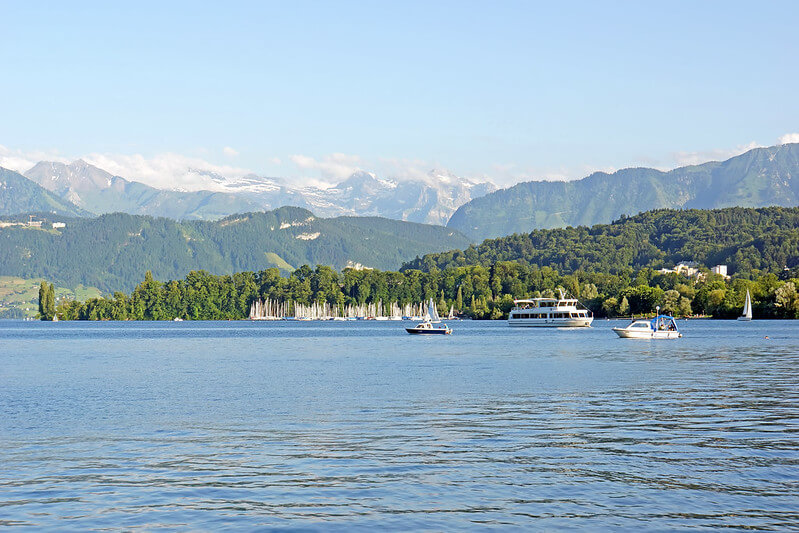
<point x="167" y="171"/>
<point x="695" y="158"/>
<point x="22" y="161"/>
<point x="508" y="174"/>
<point x="789" y="138"/>
<point x="335" y="167"/>
<point x="230" y="152"/>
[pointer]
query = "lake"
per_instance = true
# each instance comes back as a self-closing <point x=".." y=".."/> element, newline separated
<point x="358" y="426"/>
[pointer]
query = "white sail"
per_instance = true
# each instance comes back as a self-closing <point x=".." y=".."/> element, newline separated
<point x="451" y="312"/>
<point x="747" y="308"/>
<point x="433" y="312"/>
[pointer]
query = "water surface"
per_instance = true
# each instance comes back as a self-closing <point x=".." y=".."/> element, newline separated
<point x="203" y="425"/>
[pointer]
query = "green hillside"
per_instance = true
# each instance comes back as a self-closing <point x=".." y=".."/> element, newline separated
<point x="112" y="251"/>
<point x="19" y="298"/>
<point x="745" y="239"/>
<point x="761" y="177"/>
<point x="18" y="194"/>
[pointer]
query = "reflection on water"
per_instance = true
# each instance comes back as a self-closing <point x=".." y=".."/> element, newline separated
<point x="360" y="426"/>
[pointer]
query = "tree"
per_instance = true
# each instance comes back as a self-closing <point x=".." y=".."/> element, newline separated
<point x="46" y="301"/>
<point x="670" y="304"/>
<point x="787" y="299"/>
<point x="610" y="306"/>
<point x="42" y="299"/>
<point x="624" y="307"/>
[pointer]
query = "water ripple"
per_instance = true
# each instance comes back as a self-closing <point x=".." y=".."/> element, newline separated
<point x="99" y="430"/>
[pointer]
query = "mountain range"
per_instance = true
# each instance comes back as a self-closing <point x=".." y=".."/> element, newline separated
<point x="429" y="200"/>
<point x="113" y="251"/>
<point x="760" y="177"/>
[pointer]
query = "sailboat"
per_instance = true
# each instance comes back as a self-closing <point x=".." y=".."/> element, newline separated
<point x="432" y="312"/>
<point x="451" y="315"/>
<point x="747" y="308"/>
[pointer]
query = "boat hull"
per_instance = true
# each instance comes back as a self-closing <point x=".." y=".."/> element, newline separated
<point x="629" y="334"/>
<point x="744" y="318"/>
<point x="551" y="322"/>
<point x="430" y="331"/>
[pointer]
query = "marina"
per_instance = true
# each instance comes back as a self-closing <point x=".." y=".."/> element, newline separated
<point x="289" y="310"/>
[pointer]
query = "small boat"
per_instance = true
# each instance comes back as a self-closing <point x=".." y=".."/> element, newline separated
<point x="426" y="327"/>
<point x="660" y="327"/>
<point x="747" y="316"/>
<point x="177" y="319"/>
<point x="451" y="315"/>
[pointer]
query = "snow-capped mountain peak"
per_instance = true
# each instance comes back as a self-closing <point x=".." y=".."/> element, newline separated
<point x="429" y="198"/>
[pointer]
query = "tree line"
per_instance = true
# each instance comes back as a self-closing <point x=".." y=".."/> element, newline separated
<point x="476" y="291"/>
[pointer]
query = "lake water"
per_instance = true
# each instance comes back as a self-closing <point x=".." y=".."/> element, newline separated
<point x="349" y="426"/>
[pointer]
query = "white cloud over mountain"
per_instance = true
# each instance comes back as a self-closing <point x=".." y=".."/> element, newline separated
<point x="168" y="171"/>
<point x="332" y="168"/>
<point x="20" y="161"/>
<point x="789" y="138"/>
<point x="719" y="154"/>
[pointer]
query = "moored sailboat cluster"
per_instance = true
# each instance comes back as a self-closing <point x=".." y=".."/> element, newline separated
<point x="289" y="310"/>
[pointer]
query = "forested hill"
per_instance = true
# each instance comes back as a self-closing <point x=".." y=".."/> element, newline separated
<point x="113" y="251"/>
<point x="758" y="178"/>
<point x="745" y="239"/>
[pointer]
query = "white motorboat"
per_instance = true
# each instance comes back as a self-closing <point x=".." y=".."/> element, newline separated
<point x="550" y="312"/>
<point x="747" y="316"/>
<point x="426" y="327"/>
<point x="660" y="327"/>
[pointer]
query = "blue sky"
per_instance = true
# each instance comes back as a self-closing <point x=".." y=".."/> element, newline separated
<point x="508" y="90"/>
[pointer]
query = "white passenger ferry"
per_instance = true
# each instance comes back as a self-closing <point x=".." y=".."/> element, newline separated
<point x="550" y="312"/>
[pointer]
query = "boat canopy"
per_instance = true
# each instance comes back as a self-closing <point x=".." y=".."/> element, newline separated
<point x="663" y="322"/>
